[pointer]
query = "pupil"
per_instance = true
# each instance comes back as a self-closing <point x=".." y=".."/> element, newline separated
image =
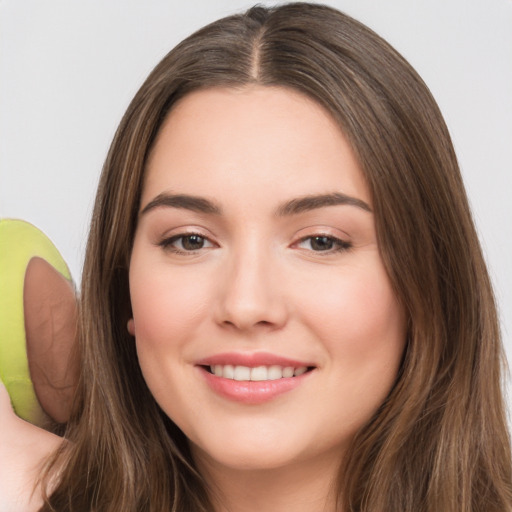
<point x="321" y="243"/>
<point x="193" y="242"/>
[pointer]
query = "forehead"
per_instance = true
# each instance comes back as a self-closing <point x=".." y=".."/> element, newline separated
<point x="252" y="138"/>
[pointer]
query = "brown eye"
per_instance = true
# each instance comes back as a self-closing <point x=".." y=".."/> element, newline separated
<point x="186" y="243"/>
<point x="192" y="242"/>
<point x="321" y="243"/>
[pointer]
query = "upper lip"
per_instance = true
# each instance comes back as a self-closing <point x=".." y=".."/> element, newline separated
<point x="251" y="359"/>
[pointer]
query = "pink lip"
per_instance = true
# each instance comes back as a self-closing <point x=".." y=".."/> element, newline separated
<point x="251" y="392"/>
<point x="251" y="360"/>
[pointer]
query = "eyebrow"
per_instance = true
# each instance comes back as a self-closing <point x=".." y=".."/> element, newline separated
<point x="292" y="207"/>
<point x="313" y="202"/>
<point x="184" y="201"/>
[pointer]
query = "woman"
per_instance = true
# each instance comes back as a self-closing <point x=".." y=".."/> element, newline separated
<point x="282" y="201"/>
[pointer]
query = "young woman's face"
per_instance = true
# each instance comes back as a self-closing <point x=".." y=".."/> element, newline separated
<point x="265" y="323"/>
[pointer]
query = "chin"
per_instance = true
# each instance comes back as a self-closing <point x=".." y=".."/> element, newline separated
<point x="261" y="449"/>
<point x="254" y="458"/>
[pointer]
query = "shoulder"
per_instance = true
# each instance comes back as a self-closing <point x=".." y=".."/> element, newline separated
<point x="23" y="450"/>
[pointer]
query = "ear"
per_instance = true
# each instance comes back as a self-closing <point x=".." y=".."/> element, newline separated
<point x="131" y="326"/>
<point x="50" y="308"/>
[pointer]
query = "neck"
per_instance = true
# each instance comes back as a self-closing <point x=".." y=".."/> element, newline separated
<point x="303" y="487"/>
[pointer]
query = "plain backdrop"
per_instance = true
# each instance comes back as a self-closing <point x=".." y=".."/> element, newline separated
<point x="68" y="70"/>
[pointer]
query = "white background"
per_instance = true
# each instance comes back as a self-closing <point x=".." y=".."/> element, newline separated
<point x="68" y="70"/>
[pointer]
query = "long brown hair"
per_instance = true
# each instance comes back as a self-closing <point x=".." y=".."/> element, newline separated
<point x="439" y="442"/>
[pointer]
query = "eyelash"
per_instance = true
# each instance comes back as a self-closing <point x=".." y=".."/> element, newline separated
<point x="338" y="245"/>
<point x="167" y="243"/>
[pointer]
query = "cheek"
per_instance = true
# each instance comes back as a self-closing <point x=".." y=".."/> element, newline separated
<point x="167" y="308"/>
<point x="357" y="317"/>
<point x="167" y="312"/>
<point x="362" y="329"/>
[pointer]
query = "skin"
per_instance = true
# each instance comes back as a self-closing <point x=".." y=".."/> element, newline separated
<point x="23" y="451"/>
<point x="257" y="281"/>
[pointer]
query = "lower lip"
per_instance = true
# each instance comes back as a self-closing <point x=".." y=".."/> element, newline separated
<point x="252" y="392"/>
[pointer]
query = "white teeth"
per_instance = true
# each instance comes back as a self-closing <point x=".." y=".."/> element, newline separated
<point x="242" y="373"/>
<point x="275" y="372"/>
<point x="258" y="373"/>
<point x="288" y="372"/>
<point x="229" y="371"/>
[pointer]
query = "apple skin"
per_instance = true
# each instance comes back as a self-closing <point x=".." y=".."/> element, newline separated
<point x="20" y="241"/>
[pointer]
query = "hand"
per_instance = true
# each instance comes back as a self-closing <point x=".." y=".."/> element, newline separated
<point x="23" y="451"/>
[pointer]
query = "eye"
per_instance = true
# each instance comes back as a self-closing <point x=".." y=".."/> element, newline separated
<point x="323" y="243"/>
<point x="183" y="243"/>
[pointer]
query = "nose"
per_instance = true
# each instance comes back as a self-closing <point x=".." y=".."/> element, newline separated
<point x="250" y="294"/>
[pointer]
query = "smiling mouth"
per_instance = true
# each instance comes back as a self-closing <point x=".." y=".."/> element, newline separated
<point x="256" y="373"/>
